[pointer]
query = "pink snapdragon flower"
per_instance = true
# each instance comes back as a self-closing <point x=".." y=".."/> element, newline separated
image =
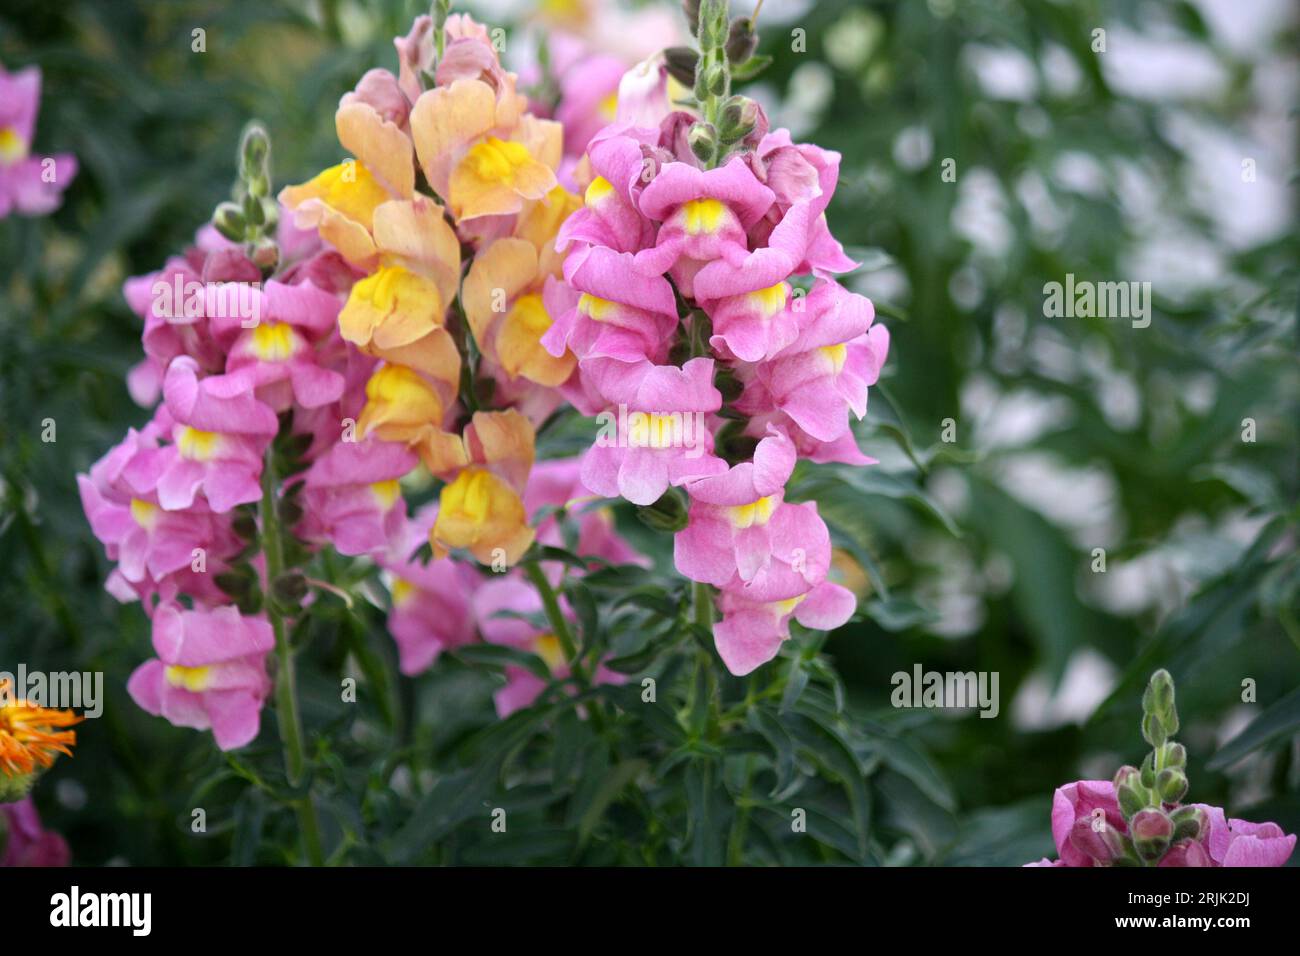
<point x="431" y="601"/>
<point x="751" y="632"/>
<point x="1232" y="842"/>
<point x="1080" y="808"/>
<point x="729" y="534"/>
<point x="29" y="185"/>
<point x="621" y="313"/>
<point x="825" y="372"/>
<point x="277" y="356"/>
<point x="501" y="607"/>
<point x="659" y="437"/>
<point x="28" y="843"/>
<point x="210" y="672"/>
<point x="623" y="161"/>
<point x="120" y="499"/>
<point x="352" y="498"/>
<point x="800" y="173"/>
<point x="704" y="215"/>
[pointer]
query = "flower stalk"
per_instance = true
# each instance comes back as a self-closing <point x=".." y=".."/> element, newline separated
<point x="286" y="693"/>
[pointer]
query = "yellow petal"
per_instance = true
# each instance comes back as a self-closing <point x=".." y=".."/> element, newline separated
<point x="434" y="355"/>
<point x="340" y="203"/>
<point x="518" y="344"/>
<point x="400" y="405"/>
<point x="415" y="234"/>
<point x="495" y="177"/>
<point x="393" y="307"/>
<point x="541" y="220"/>
<point x="380" y="145"/>
<point x="445" y="120"/>
<point x="497" y="275"/>
<point x="481" y="512"/>
<point x="504" y="440"/>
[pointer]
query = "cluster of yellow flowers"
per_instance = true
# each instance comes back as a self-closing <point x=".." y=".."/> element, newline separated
<point x="456" y="268"/>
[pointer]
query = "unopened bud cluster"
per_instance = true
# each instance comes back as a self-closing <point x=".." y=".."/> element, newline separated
<point x="251" y="218"/>
<point x="1148" y="796"/>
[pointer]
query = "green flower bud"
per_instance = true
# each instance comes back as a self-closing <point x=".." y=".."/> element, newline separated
<point x="1153" y="730"/>
<point x="1189" y="823"/>
<point x="712" y="24"/>
<point x="1171" y="783"/>
<point x="681" y="62"/>
<point x="244" y="525"/>
<point x="742" y="41"/>
<point x="666" y="514"/>
<point x="739" y="117"/>
<point x="703" y="140"/>
<point x="712" y="81"/>
<point x="692" y="10"/>
<point x="1148" y="772"/>
<point x="230" y="222"/>
<point x="1152" y="831"/>
<point x="237" y="582"/>
<point x="1174" y="755"/>
<point x="1131" y="800"/>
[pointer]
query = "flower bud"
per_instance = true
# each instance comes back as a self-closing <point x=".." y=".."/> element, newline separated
<point x="230" y="222"/>
<point x="681" y="61"/>
<point x="1152" y="830"/>
<point x="1148" y="772"/>
<point x="715" y="79"/>
<point x="742" y="41"/>
<point x="265" y="254"/>
<point x="1174" y="755"/>
<point x="1189" y="823"/>
<point x="666" y="514"/>
<point x="703" y="140"/>
<point x="692" y="10"/>
<point x="237" y="582"/>
<point x="1132" y="799"/>
<point x="739" y="117"/>
<point x="1171" y="783"/>
<point x="244" y="525"/>
<point x="289" y="588"/>
<point x="1153" y="730"/>
<point x="1094" y="837"/>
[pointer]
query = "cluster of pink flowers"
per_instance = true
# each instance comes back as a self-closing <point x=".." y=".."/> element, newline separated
<point x="167" y="501"/>
<point x="659" y="235"/>
<point x="1083" y="811"/>
<point x="30" y="185"/>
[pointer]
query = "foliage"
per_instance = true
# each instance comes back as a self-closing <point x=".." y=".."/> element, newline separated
<point x="974" y="555"/>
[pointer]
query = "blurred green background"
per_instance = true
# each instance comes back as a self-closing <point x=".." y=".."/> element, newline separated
<point x="1070" y="434"/>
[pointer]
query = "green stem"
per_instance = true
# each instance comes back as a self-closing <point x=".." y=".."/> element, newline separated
<point x="286" y="694"/>
<point x="703" y="596"/>
<point x="553" y="613"/>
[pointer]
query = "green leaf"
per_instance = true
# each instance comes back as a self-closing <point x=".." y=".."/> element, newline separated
<point x="619" y="776"/>
<point x="1279" y="720"/>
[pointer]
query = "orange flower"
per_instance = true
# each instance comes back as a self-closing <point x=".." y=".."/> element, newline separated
<point x="29" y="737"/>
